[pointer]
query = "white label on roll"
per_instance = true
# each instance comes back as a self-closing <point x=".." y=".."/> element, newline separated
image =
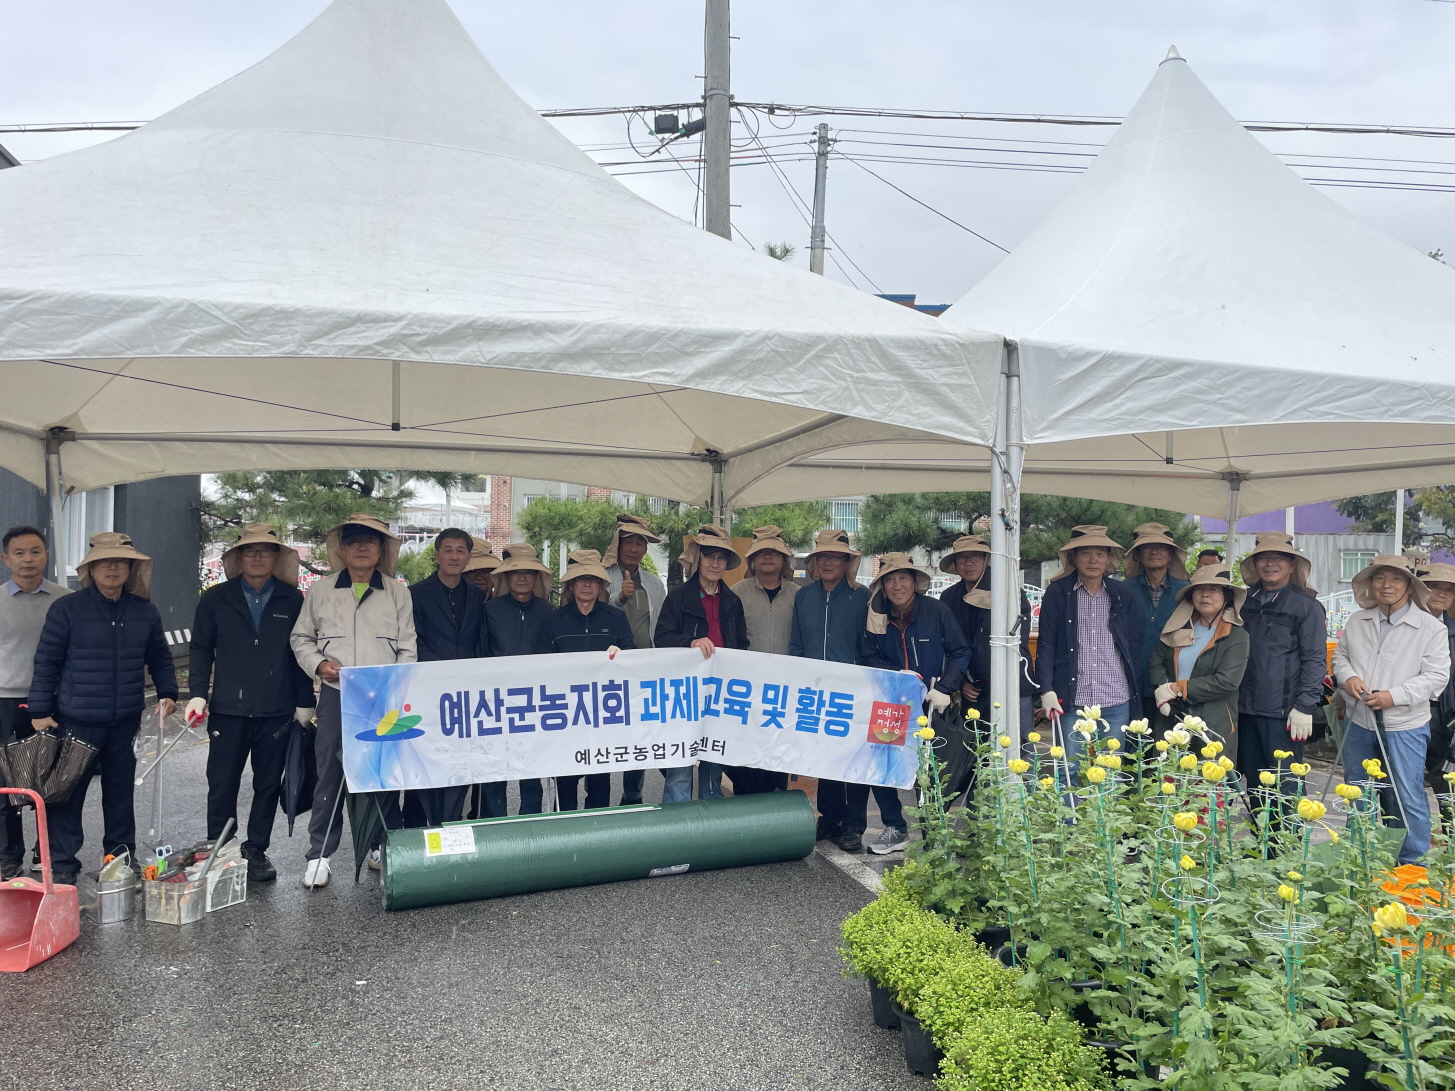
<point x="675" y="869"/>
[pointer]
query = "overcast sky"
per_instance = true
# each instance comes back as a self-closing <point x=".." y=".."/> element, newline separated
<point x="1370" y="61"/>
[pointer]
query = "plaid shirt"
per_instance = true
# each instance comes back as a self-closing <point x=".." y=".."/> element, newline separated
<point x="1156" y="592"/>
<point x="1101" y="681"/>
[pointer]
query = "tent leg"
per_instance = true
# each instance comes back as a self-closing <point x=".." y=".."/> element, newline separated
<point x="55" y="490"/>
<point x="1008" y="458"/>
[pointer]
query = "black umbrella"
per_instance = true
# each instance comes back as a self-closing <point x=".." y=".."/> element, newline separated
<point x="47" y="763"/>
<point x="300" y="772"/>
<point x="367" y="822"/>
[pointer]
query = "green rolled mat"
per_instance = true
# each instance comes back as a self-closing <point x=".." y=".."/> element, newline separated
<point x="493" y="857"/>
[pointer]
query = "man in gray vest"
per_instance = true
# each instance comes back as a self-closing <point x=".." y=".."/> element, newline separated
<point x="767" y="595"/>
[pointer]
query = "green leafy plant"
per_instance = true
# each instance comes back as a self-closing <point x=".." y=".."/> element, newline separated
<point x="1009" y="1050"/>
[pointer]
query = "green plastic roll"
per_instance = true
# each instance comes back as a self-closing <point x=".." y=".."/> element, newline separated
<point x="494" y="857"/>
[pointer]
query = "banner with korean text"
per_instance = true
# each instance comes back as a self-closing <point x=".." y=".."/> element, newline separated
<point x="467" y="721"/>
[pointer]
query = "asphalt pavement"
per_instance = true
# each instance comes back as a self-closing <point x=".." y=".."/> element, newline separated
<point x="722" y="980"/>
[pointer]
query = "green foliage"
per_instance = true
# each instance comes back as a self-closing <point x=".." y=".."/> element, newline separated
<point x="1046" y="523"/>
<point x="780" y="251"/>
<point x="672" y="525"/>
<point x="869" y="933"/>
<point x="568" y="524"/>
<point x="1008" y="1050"/>
<point x="417" y="566"/>
<point x="964" y="989"/>
<point x="1373" y="513"/>
<point x="799" y="521"/>
<point x="306" y="504"/>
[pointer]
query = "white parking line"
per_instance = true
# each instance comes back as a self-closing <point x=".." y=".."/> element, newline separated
<point x="850" y="865"/>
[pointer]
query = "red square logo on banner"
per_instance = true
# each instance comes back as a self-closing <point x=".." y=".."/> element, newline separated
<point x="888" y="724"/>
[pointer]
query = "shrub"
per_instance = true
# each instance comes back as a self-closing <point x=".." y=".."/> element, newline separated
<point x="1008" y="1050"/>
<point x="963" y="990"/>
<point x="869" y="934"/>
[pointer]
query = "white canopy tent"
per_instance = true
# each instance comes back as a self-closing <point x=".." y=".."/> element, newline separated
<point x="366" y="250"/>
<point x="1197" y="328"/>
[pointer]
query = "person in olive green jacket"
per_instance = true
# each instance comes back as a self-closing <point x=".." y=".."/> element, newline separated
<point x="1200" y="658"/>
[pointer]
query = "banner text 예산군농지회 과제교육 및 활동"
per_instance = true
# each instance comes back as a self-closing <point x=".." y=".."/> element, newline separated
<point x="468" y="721"/>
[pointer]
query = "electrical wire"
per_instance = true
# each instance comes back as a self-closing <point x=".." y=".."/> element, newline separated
<point x="922" y="204"/>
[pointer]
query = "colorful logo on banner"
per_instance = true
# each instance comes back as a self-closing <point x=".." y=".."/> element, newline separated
<point x="888" y="724"/>
<point x="394" y="727"/>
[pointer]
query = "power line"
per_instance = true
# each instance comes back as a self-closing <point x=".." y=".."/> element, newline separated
<point x="922" y="204"/>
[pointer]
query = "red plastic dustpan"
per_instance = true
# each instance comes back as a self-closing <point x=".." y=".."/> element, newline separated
<point x="36" y="919"/>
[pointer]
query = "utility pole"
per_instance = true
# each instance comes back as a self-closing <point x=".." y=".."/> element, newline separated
<point x="820" y="181"/>
<point x="717" y="112"/>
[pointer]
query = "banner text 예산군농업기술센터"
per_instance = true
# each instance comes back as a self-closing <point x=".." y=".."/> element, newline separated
<point x="468" y="721"/>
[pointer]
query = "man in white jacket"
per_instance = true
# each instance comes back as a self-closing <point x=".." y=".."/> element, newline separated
<point x="1393" y="659"/>
<point x="358" y="616"/>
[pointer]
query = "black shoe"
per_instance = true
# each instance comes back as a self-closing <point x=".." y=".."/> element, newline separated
<point x="9" y="869"/>
<point x="260" y="868"/>
<point x="826" y="832"/>
<point x="630" y="802"/>
<point x="64" y="878"/>
<point x="850" y="842"/>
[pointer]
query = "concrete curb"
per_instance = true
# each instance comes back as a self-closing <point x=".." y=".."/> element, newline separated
<point x="850" y="865"/>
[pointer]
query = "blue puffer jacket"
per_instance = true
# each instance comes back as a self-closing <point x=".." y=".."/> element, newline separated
<point x="931" y="644"/>
<point x="88" y="666"/>
<point x="828" y="626"/>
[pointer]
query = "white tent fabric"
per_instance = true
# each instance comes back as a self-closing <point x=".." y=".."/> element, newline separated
<point x="1195" y="315"/>
<point x="366" y="250"/>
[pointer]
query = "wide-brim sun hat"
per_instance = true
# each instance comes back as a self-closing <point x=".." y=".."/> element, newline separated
<point x="285" y="559"/>
<point x="833" y="540"/>
<point x="877" y="620"/>
<point x="482" y="558"/>
<point x="1436" y="572"/>
<point x="1154" y="534"/>
<point x="1178" y="630"/>
<point x="627" y="524"/>
<point x="1081" y="538"/>
<point x="708" y="536"/>
<point x="966" y="543"/>
<point x="769" y="539"/>
<point x="583" y="563"/>
<point x="1364" y="591"/>
<point x="388" y="560"/>
<point x="1276" y="541"/>
<point x="521" y="557"/>
<point x="112" y="545"/>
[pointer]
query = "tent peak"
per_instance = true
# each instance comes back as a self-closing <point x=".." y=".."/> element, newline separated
<point x="1172" y="55"/>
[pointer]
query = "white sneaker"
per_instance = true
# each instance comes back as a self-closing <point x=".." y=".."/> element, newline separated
<point x="373" y="859"/>
<point x="316" y="873"/>
<point x="891" y="840"/>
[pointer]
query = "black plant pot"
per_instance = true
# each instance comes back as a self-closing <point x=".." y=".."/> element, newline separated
<point x="1082" y="1012"/>
<point x="1114" y="1051"/>
<point x="1354" y="1061"/>
<point x="883" y="1005"/>
<point x="1003" y="953"/>
<point x="921" y="1055"/>
<point x="993" y="937"/>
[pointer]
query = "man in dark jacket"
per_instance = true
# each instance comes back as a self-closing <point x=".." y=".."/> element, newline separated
<point x="704" y="613"/>
<point x="245" y="680"/>
<point x="1089" y="652"/>
<point x="1156" y="570"/>
<point x="89" y="679"/>
<point x="906" y="630"/>
<point x="828" y="623"/>
<point x="1288" y="659"/>
<point x="969" y="604"/>
<point x="449" y="623"/>
<point x="585" y="623"/>
<point x="514" y="619"/>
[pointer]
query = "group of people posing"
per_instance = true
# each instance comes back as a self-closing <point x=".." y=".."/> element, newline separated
<point x="1249" y="661"/>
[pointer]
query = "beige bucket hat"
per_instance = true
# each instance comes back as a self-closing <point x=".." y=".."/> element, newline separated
<point x="1436" y="572"/>
<point x="1089" y="535"/>
<point x="833" y="540"/>
<point x="708" y="536"/>
<point x="285" y="560"/>
<point x="1177" y="633"/>
<point x="388" y="562"/>
<point x="877" y="620"/>
<point x="770" y="538"/>
<point x="521" y="557"/>
<point x="1364" y="593"/>
<point x="581" y="563"/>
<point x="111" y="545"/>
<point x="626" y="523"/>
<point x="966" y="543"/>
<point x="482" y="556"/>
<point x="1154" y="534"/>
<point x="1276" y="541"/>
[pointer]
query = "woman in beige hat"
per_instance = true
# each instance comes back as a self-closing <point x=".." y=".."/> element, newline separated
<point x="89" y="678"/>
<point x="514" y="619"/>
<point x="906" y="630"/>
<point x="480" y="568"/>
<point x="1439" y="577"/>
<point x="585" y="623"/>
<point x="1201" y="654"/>
<point x="1392" y="661"/>
<point x="359" y="617"/>
<point x="1287" y="655"/>
<point x="1156" y="570"/>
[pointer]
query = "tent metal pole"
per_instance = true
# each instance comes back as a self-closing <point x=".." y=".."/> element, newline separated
<point x="55" y="490"/>
<point x="1398" y="521"/>
<point x="1235" y="484"/>
<point x="1005" y="549"/>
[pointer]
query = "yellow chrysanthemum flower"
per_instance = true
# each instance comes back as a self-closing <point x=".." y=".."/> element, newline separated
<point x="1287" y="893"/>
<point x="1047" y="782"/>
<point x="1090" y="712"/>
<point x="1034" y="736"/>
<point x="925" y="733"/>
<point x="1311" y="810"/>
<point x="1178" y="737"/>
<point x="1267" y="779"/>
<point x="1390" y="918"/>
<point x="1004" y="740"/>
<point x="1186" y="821"/>
<point x="1019" y="765"/>
<point x="1187" y="863"/>
<point x="1299" y="768"/>
<point x="1057" y="752"/>
<point x="1350" y="792"/>
<point x="1161" y="746"/>
<point x="1139" y="727"/>
<point x="1213" y="772"/>
<point x="923" y="721"/>
<point x="1188" y="761"/>
<point x="1225" y="763"/>
<point x="972" y="714"/>
<point x="1210" y="751"/>
<point x="1168" y="787"/>
<point x="1113" y="744"/>
<point x="1295" y="876"/>
<point x="1096" y="774"/>
<point x="1281" y="754"/>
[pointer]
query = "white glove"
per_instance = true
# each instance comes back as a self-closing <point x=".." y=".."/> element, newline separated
<point x="1300" y="725"/>
<point x="196" y="711"/>
<point x="303" y="715"/>
<point x="1050" y="703"/>
<point x="611" y="652"/>
<point x="1165" y="692"/>
<point x="939" y="701"/>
